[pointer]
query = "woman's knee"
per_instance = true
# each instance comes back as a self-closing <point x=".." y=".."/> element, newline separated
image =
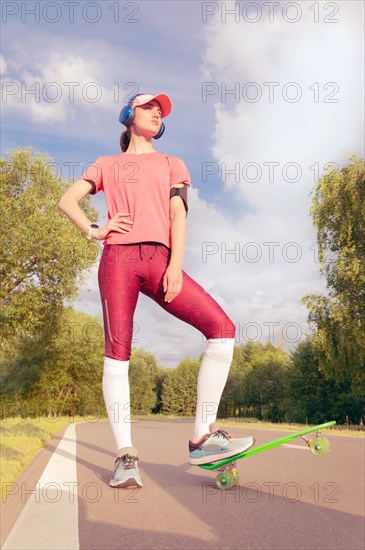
<point x="117" y="348"/>
<point x="220" y="349"/>
<point x="222" y="329"/>
<point x="122" y="354"/>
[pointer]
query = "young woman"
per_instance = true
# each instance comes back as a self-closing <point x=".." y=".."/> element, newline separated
<point x="144" y="242"/>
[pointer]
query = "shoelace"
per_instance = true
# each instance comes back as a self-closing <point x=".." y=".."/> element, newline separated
<point x="222" y="433"/>
<point x="128" y="461"/>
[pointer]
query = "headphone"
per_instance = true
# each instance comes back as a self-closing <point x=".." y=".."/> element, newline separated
<point x="127" y="115"/>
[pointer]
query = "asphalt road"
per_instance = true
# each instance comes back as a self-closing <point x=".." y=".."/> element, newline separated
<point x="287" y="498"/>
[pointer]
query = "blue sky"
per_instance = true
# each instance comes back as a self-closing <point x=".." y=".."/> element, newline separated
<point x="310" y="60"/>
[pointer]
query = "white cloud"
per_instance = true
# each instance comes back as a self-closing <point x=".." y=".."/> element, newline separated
<point x="3" y="65"/>
<point x="56" y="86"/>
<point x="308" y="133"/>
<point x="99" y="70"/>
<point x="304" y="132"/>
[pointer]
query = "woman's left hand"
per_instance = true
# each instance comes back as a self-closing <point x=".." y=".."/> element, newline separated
<point x="172" y="282"/>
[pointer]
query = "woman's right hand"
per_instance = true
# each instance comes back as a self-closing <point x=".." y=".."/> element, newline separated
<point x="117" y="223"/>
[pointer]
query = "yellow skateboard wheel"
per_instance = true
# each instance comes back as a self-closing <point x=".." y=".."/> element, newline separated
<point x="235" y="475"/>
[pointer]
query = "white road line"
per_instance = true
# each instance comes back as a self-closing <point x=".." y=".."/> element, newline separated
<point x="49" y="520"/>
<point x="302" y="447"/>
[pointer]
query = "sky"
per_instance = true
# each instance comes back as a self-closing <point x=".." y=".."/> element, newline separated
<point x="267" y="96"/>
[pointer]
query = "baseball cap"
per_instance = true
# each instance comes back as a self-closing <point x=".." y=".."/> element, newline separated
<point x="163" y="99"/>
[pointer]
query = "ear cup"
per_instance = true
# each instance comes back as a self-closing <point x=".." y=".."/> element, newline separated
<point x="126" y="115"/>
<point x="161" y="131"/>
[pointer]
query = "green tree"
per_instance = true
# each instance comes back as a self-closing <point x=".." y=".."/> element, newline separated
<point x="308" y="391"/>
<point x="43" y="255"/>
<point x="264" y="382"/>
<point x="142" y="382"/>
<point x="232" y="401"/>
<point x="158" y="375"/>
<point x="57" y="374"/>
<point x="338" y="319"/>
<point x="312" y="397"/>
<point x="179" y="390"/>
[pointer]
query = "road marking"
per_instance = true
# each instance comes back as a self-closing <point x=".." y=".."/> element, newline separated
<point x="50" y="517"/>
<point x="302" y="447"/>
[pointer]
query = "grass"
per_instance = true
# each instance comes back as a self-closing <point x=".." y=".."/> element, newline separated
<point x="22" y="439"/>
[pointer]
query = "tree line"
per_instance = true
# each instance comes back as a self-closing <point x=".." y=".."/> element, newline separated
<point x="61" y="374"/>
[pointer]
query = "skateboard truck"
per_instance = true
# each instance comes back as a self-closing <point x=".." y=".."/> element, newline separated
<point x="227" y="467"/>
<point x="318" y="444"/>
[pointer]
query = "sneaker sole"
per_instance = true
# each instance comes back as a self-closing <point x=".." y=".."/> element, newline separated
<point x="125" y="484"/>
<point x="218" y="457"/>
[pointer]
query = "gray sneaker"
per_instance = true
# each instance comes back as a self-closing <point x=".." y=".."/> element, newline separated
<point x="126" y="472"/>
<point x="217" y="445"/>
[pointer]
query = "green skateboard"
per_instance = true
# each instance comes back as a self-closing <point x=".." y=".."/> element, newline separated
<point x="229" y="476"/>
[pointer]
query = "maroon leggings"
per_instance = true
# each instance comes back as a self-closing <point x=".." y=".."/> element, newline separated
<point x="127" y="269"/>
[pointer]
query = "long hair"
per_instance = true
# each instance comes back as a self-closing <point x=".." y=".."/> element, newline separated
<point x="125" y="138"/>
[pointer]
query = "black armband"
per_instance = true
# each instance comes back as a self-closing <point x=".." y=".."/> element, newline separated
<point x="181" y="192"/>
<point x="93" y="187"/>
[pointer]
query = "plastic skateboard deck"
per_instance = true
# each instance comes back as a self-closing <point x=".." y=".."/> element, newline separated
<point x="319" y="445"/>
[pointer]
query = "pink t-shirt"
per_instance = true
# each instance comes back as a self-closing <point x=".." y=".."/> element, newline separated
<point x="139" y="184"/>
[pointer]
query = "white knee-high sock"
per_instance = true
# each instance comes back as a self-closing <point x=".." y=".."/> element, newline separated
<point x="212" y="378"/>
<point x="117" y="400"/>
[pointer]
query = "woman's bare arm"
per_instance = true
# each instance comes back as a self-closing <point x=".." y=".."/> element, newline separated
<point x="69" y="204"/>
